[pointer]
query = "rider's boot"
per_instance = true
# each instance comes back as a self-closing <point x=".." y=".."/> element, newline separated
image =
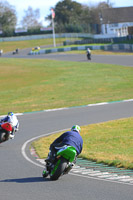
<point x="12" y="135"/>
<point x="45" y="173"/>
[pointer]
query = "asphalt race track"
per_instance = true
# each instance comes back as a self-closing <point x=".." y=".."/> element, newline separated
<point x="21" y="179"/>
<point x="124" y="60"/>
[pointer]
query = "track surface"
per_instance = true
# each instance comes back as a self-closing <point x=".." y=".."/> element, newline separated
<point x="20" y="179"/>
<point x="124" y="60"/>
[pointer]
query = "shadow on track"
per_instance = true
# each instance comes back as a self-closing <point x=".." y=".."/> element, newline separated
<point x="26" y="180"/>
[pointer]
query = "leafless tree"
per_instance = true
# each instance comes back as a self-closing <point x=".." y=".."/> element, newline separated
<point x="31" y="18"/>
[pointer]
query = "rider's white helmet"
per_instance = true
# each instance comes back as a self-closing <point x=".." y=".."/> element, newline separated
<point x="76" y="128"/>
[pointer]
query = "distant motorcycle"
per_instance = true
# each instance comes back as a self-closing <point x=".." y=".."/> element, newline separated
<point x="62" y="162"/>
<point x="5" y="131"/>
<point x="88" y="56"/>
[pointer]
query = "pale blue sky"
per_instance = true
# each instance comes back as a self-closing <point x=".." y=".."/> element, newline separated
<point x="45" y="5"/>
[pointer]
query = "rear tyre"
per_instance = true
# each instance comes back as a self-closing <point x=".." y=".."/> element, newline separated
<point x="3" y="136"/>
<point x="59" y="168"/>
<point x="89" y="57"/>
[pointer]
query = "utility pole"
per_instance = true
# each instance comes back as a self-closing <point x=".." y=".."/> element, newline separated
<point x="53" y="16"/>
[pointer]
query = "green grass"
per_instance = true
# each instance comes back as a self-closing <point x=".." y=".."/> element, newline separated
<point x="97" y="52"/>
<point x="109" y="142"/>
<point x="31" y="85"/>
<point x="11" y="46"/>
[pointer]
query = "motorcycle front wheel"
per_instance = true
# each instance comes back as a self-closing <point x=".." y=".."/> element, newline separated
<point x="58" y="169"/>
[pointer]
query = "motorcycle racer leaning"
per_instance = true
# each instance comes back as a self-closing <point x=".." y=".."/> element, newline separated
<point x="70" y="138"/>
<point x="12" y="119"/>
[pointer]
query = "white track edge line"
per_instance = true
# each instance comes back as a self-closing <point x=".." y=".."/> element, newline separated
<point x="23" y="148"/>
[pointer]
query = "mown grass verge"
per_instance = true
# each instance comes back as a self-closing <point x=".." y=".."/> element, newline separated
<point x="32" y="85"/>
<point x="12" y="45"/>
<point x="110" y="142"/>
<point x="98" y="52"/>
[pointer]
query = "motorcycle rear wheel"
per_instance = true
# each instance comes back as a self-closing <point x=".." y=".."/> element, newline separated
<point x="59" y="168"/>
<point x="4" y="136"/>
<point x="88" y="57"/>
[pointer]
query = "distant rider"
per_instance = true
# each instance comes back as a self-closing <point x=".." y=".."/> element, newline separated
<point x="88" y="53"/>
<point x="70" y="138"/>
<point x="12" y="119"/>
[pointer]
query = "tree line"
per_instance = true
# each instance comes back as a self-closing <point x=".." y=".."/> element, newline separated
<point x="70" y="16"/>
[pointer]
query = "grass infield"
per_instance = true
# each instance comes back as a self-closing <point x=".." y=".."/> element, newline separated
<point x="12" y="45"/>
<point x="35" y="84"/>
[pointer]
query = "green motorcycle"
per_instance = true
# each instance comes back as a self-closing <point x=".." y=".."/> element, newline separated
<point x="61" y="163"/>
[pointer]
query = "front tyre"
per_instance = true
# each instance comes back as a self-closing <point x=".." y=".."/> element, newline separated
<point x="58" y="169"/>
